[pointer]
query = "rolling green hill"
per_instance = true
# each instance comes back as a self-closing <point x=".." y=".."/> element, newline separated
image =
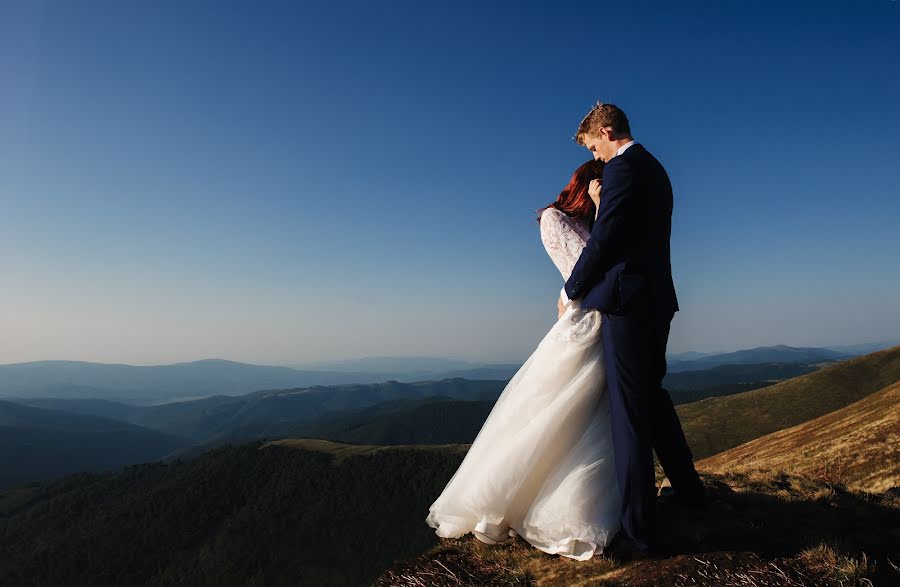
<point x="438" y="420"/>
<point x="377" y="413"/>
<point x="37" y="443"/>
<point x="718" y="424"/>
<point x="419" y="419"/>
<point x="730" y="374"/>
<point x="279" y="412"/>
<point x="300" y="512"/>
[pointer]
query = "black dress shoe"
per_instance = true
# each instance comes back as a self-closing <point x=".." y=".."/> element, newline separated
<point x="623" y="549"/>
<point x="696" y="499"/>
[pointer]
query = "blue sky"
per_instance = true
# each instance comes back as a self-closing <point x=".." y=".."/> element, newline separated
<point x="283" y="182"/>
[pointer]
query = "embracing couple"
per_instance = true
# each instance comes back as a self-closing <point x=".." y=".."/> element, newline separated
<point x="565" y="458"/>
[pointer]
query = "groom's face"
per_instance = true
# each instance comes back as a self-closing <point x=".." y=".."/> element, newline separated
<point x="598" y="146"/>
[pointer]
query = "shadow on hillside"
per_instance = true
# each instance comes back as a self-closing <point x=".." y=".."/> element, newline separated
<point x="763" y="529"/>
<point x="781" y="515"/>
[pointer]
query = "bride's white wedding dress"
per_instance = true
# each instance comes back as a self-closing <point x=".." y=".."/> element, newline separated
<point x="542" y="465"/>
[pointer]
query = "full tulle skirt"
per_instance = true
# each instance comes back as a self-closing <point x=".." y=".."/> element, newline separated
<point x="542" y="465"/>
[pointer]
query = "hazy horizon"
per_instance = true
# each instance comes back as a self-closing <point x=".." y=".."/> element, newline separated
<point x="281" y="185"/>
<point x="324" y="363"/>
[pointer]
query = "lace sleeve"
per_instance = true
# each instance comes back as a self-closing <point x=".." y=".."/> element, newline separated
<point x="562" y="240"/>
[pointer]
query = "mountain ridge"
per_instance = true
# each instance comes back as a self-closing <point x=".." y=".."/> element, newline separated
<point x="766" y="354"/>
<point x="857" y="445"/>
<point x="717" y="424"/>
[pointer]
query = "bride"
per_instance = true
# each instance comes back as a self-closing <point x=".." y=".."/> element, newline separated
<point x="542" y="465"/>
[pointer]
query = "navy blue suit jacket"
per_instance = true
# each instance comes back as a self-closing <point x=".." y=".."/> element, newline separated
<point x="625" y="266"/>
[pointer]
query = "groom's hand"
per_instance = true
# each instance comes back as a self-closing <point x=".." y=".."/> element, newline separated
<point x="560" y="307"/>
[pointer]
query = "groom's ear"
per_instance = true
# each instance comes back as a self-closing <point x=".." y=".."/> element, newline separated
<point x="612" y="134"/>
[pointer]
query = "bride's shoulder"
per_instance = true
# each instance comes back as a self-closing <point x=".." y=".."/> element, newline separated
<point x="550" y="218"/>
<point x="551" y="213"/>
<point x="556" y="217"/>
<point x="555" y="222"/>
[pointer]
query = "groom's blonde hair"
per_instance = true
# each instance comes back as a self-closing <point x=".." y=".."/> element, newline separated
<point x="601" y="116"/>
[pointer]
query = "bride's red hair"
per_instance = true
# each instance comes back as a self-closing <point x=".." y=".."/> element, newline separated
<point x="574" y="199"/>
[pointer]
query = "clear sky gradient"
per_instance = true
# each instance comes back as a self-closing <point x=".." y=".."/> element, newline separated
<point x="281" y="182"/>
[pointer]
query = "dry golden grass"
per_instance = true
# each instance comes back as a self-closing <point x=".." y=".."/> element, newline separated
<point x="342" y="450"/>
<point x="842" y="569"/>
<point x="858" y="445"/>
<point x="763" y="531"/>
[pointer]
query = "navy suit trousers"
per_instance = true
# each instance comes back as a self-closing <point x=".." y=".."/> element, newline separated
<point x="643" y="419"/>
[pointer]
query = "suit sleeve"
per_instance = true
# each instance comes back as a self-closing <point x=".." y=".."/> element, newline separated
<point x="608" y="233"/>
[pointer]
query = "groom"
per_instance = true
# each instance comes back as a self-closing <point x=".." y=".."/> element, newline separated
<point x="625" y="272"/>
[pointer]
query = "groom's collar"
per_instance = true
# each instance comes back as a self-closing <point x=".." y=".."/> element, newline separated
<point x="624" y="147"/>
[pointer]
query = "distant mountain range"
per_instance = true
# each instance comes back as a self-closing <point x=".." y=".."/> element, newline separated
<point x="394" y="365"/>
<point x="865" y="348"/>
<point x="688" y="356"/>
<point x="148" y="385"/>
<point x="430" y="412"/>
<point x="769" y="354"/>
<point x="449" y="410"/>
<point x="693" y="360"/>
<point x="351" y="412"/>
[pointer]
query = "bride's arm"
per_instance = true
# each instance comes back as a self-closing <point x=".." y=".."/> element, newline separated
<point x="561" y="240"/>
